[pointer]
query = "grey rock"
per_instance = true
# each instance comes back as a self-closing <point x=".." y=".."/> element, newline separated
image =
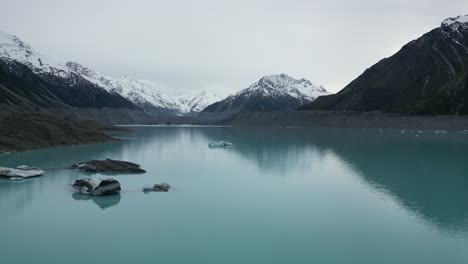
<point x="109" y="166"/>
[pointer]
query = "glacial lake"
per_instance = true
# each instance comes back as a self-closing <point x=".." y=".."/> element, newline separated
<point x="279" y="195"/>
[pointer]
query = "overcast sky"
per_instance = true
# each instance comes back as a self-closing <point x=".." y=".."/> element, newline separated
<point x="214" y="44"/>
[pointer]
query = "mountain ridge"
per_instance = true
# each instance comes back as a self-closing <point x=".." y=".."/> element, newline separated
<point x="426" y="76"/>
<point x="153" y="98"/>
<point x="277" y="92"/>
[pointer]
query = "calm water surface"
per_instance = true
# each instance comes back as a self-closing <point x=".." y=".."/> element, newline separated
<point x="277" y="196"/>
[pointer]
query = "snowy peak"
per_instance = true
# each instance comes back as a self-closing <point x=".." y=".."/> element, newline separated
<point x="455" y="24"/>
<point x="455" y="20"/>
<point x="78" y="68"/>
<point x="280" y="79"/>
<point x="13" y="48"/>
<point x="283" y="84"/>
<point x="279" y="92"/>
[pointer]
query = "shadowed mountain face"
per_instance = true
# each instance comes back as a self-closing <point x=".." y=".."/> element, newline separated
<point x="20" y="86"/>
<point x="427" y="76"/>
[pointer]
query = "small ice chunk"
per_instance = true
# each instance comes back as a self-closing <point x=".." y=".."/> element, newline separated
<point x="220" y="144"/>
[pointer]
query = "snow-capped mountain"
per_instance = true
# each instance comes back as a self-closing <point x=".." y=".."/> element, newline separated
<point x="11" y="47"/>
<point x="30" y="80"/>
<point x="148" y="95"/>
<point x="271" y="93"/>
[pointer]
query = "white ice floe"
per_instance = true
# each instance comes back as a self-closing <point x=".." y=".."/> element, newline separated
<point x="22" y="172"/>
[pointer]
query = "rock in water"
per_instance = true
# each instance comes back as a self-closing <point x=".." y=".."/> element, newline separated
<point x="97" y="187"/>
<point x="220" y="144"/>
<point x="108" y="165"/>
<point x="162" y="187"/>
<point x="22" y="171"/>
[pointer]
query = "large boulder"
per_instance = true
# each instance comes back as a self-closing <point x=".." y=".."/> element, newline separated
<point x="21" y="172"/>
<point x="108" y="166"/>
<point x="97" y="187"/>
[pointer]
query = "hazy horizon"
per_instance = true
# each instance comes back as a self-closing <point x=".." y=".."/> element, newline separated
<point x="224" y="46"/>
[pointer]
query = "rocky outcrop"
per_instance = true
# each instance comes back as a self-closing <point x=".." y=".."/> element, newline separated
<point x="162" y="187"/>
<point x="21" y="172"/>
<point x="108" y="166"/>
<point x="97" y="187"/>
<point x="21" y="131"/>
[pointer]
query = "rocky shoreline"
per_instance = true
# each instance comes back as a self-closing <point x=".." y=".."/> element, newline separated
<point x="20" y="131"/>
<point x="346" y="119"/>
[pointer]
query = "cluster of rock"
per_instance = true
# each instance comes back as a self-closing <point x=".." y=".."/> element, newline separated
<point x="162" y="187"/>
<point x="110" y="186"/>
<point x="108" y="166"/>
<point x="90" y="186"/>
<point x="20" y="172"/>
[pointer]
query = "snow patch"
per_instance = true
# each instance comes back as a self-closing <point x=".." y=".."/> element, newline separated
<point x="452" y="20"/>
<point x="285" y="85"/>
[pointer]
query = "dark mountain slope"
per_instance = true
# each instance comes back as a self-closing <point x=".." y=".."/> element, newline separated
<point x="20" y="86"/>
<point x="427" y="76"/>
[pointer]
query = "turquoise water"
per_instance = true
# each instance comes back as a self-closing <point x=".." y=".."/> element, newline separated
<point x="285" y="195"/>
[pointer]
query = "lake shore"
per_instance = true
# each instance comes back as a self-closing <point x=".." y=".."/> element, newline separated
<point x="336" y="119"/>
<point x="20" y="131"/>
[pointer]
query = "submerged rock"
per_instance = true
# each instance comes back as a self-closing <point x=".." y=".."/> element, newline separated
<point x="162" y="187"/>
<point x="220" y="144"/>
<point x="97" y="187"/>
<point x="108" y="165"/>
<point x="21" y="172"/>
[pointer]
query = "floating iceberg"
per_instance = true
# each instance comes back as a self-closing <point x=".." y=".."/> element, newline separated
<point x="22" y="172"/>
<point x="97" y="187"/>
<point x="162" y="187"/>
<point x="220" y="144"/>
